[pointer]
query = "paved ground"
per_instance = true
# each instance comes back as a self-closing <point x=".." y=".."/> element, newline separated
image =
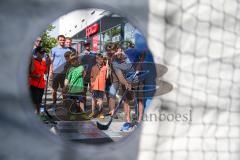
<point x="76" y="128"/>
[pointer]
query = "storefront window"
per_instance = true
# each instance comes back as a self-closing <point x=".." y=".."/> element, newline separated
<point x="110" y="35"/>
<point x="129" y="31"/>
<point x="101" y="42"/>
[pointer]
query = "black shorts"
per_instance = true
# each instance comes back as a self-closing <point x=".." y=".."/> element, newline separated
<point x="36" y="94"/>
<point x="76" y="96"/>
<point x="98" y="94"/>
<point x="58" y="80"/>
<point x="137" y="91"/>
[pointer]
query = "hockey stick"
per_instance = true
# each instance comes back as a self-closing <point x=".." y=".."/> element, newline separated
<point x="106" y="126"/>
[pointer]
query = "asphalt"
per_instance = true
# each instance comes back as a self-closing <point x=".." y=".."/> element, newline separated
<point x="73" y="126"/>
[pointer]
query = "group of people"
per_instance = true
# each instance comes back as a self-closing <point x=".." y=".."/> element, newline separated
<point x="76" y="74"/>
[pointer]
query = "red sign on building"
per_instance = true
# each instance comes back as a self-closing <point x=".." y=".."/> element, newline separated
<point x="92" y="29"/>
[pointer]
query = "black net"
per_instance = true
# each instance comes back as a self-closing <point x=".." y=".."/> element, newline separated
<point x="198" y="41"/>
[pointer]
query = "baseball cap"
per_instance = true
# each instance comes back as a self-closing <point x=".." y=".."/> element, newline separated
<point x="40" y="50"/>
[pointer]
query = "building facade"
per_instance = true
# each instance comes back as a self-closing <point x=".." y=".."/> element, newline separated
<point x="95" y="25"/>
<point x="109" y="28"/>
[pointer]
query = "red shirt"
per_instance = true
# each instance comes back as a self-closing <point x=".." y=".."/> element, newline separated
<point x="39" y="68"/>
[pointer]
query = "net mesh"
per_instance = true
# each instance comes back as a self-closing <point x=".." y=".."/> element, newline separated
<point x="198" y="40"/>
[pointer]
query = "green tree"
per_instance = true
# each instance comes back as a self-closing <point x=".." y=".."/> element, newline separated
<point x="114" y="31"/>
<point x="48" y="42"/>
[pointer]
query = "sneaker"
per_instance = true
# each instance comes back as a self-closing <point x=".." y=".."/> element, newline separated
<point x="125" y="127"/>
<point x="101" y="116"/>
<point x="91" y="115"/>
